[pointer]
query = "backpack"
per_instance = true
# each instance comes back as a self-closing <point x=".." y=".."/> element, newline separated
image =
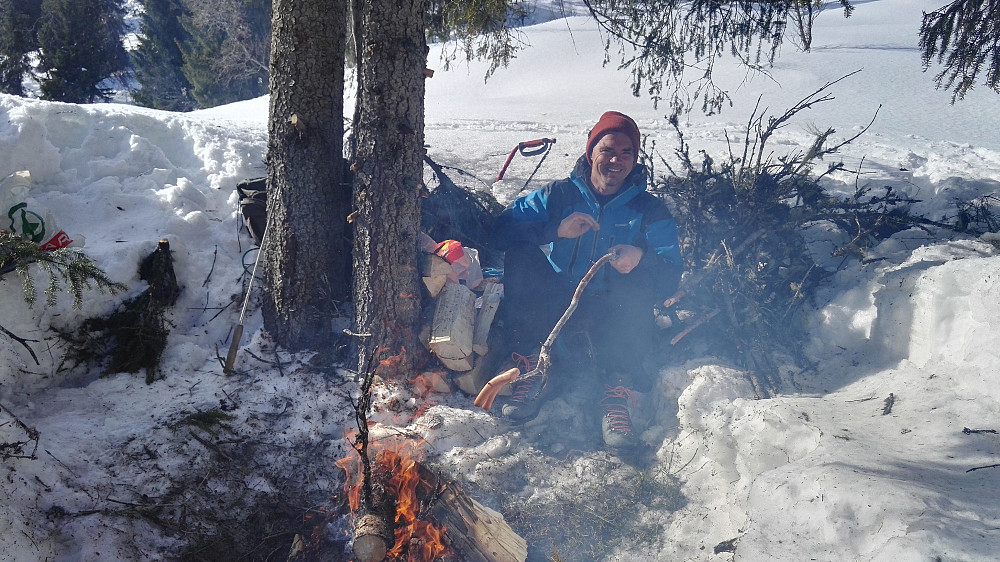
<point x="253" y="206"/>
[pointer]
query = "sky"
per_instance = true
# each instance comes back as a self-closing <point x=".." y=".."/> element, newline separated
<point x="823" y="470"/>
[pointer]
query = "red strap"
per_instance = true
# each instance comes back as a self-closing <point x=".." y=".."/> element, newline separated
<point x="507" y="163"/>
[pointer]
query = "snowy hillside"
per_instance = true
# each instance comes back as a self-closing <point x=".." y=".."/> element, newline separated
<point x="885" y="449"/>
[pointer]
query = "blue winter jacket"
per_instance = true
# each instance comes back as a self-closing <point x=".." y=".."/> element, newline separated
<point x="634" y="216"/>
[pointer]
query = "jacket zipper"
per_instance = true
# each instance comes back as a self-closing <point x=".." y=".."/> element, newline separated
<point x="593" y="247"/>
<point x="573" y="256"/>
<point x="597" y="234"/>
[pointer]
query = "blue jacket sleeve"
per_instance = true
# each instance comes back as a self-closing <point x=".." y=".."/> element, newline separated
<point x="662" y="252"/>
<point x="528" y="220"/>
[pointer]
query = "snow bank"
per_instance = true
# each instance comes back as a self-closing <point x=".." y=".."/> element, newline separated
<point x="873" y="466"/>
<point x="122" y="178"/>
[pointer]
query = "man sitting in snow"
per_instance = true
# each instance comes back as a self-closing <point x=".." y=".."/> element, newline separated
<point x="551" y="238"/>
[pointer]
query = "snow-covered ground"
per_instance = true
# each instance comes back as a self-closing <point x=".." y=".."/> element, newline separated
<point x="826" y="470"/>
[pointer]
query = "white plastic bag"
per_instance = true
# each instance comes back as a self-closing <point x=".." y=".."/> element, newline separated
<point x="464" y="261"/>
<point x="22" y="215"/>
<point x="472" y="276"/>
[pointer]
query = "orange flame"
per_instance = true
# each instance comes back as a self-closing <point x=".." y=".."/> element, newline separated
<point x="397" y="462"/>
<point x="425" y="385"/>
<point x="390" y="367"/>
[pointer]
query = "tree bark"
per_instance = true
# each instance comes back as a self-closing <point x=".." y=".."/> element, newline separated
<point x="306" y="255"/>
<point x="388" y="169"/>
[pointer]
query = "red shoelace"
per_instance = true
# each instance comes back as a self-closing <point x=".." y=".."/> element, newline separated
<point x="521" y="388"/>
<point x="616" y="402"/>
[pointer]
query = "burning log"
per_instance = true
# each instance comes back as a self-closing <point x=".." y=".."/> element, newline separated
<point x="421" y="516"/>
<point x="373" y="534"/>
<point x="403" y="509"/>
<point x="474" y="532"/>
<point x="372" y="538"/>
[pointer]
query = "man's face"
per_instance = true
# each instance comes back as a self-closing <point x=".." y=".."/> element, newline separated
<point x="613" y="158"/>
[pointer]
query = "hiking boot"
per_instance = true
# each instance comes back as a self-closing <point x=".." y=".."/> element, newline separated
<point x="526" y="394"/>
<point x="616" y="425"/>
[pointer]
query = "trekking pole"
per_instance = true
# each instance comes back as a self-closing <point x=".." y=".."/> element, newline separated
<point x="489" y="392"/>
<point x="526" y="148"/>
<point x="238" y="329"/>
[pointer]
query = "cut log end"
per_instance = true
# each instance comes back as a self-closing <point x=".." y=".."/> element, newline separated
<point x="370" y="538"/>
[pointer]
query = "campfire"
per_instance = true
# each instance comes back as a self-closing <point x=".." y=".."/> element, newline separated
<point x="401" y="491"/>
<point x="402" y="509"/>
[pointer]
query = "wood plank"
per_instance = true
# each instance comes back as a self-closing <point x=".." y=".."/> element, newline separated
<point x="432" y="265"/>
<point x="452" y="328"/>
<point x="435" y="284"/>
<point x="492" y="294"/>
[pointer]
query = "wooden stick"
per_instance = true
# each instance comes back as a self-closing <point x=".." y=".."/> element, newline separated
<point x="211" y="446"/>
<point x="982" y="467"/>
<point x="681" y="293"/>
<point x="698" y="276"/>
<point x="691" y="328"/>
<point x="234" y="346"/>
<point x="489" y="392"/>
<point x="22" y="341"/>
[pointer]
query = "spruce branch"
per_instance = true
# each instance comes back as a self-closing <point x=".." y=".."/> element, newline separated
<point x="63" y="266"/>
<point x="742" y="220"/>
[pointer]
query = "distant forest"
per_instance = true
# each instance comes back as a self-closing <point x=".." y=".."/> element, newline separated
<point x="189" y="54"/>
<point x="181" y="55"/>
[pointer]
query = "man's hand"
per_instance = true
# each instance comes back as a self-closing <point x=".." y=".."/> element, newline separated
<point x="628" y="257"/>
<point x="575" y="225"/>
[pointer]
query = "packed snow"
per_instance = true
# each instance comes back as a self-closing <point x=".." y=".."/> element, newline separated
<point x="885" y="448"/>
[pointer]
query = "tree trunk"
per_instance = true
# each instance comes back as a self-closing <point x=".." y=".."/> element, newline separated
<point x="306" y="255"/>
<point x="388" y="165"/>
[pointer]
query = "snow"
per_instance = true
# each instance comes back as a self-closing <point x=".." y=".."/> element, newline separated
<point x="825" y="470"/>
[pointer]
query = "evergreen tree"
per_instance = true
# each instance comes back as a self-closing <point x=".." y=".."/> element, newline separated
<point x="226" y="53"/>
<point x="389" y="169"/>
<point x="18" y="19"/>
<point x="158" y="58"/>
<point x="304" y="172"/>
<point x="80" y="42"/>
<point x="306" y="257"/>
<point x="965" y="37"/>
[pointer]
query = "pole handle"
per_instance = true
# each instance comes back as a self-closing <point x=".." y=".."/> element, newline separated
<point x="533" y="147"/>
<point x="526" y="148"/>
<point x="233" y="347"/>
